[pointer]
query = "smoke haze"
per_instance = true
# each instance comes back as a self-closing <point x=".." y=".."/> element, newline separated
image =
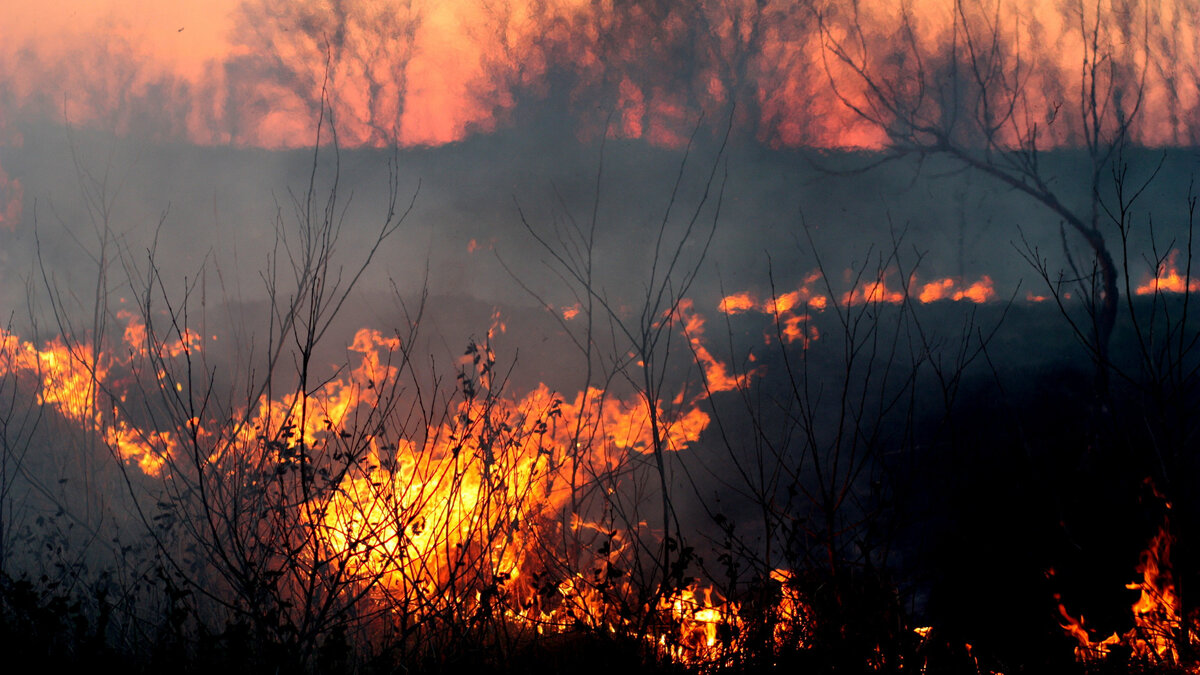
<point x="782" y="173"/>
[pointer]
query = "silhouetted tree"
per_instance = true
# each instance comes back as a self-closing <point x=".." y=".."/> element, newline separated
<point x="352" y="53"/>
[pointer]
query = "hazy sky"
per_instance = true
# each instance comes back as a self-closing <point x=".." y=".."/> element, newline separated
<point x="106" y="62"/>
<point x="156" y="25"/>
<point x="181" y="37"/>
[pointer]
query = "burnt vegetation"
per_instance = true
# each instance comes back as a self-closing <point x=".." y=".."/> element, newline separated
<point x="833" y="467"/>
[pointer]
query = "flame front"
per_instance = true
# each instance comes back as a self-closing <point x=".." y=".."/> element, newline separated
<point x="793" y="311"/>
<point x="1168" y="279"/>
<point x="1159" y="629"/>
<point x="499" y="507"/>
<point x="469" y="515"/>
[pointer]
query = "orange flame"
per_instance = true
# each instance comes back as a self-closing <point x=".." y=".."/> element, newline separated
<point x="1158" y="626"/>
<point x="1168" y="279"/>
<point x="951" y="289"/>
<point x="69" y="379"/>
<point x="796" y="325"/>
<point x="465" y="512"/>
<point x="485" y="488"/>
<point x="737" y="303"/>
<point x="873" y="292"/>
<point x="716" y="375"/>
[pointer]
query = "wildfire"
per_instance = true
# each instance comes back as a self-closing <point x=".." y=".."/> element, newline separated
<point x="1159" y="629"/>
<point x="793" y="310"/>
<point x="737" y="303"/>
<point x="879" y="291"/>
<point x="466" y="513"/>
<point x="700" y="619"/>
<point x="716" y="375"/>
<point x="790" y="310"/>
<point x="873" y="292"/>
<point x="949" y="289"/>
<point x="1168" y="279"/>
<point x="473" y="513"/>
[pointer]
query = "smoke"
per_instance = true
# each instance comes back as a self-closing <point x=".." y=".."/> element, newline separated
<point x="419" y="73"/>
<point x="519" y="130"/>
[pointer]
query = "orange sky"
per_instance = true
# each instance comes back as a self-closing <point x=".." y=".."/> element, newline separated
<point x="182" y="37"/>
<point x="154" y="24"/>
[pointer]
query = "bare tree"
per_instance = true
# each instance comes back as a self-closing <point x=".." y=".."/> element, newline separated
<point x="355" y="51"/>
<point x="655" y="63"/>
<point x="979" y="96"/>
<point x="639" y="349"/>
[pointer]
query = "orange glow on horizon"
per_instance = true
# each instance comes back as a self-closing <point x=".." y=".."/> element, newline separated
<point x="183" y="70"/>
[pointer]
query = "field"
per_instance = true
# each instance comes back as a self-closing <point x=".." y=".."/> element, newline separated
<point x="526" y="404"/>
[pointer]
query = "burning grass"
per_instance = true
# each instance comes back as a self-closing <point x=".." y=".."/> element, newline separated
<point x="501" y="522"/>
<point x="723" y="489"/>
<point x="518" y="522"/>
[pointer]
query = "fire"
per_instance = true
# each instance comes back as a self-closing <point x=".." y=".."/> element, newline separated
<point x="69" y="379"/>
<point x="700" y="619"/>
<point x="793" y="310"/>
<point x="877" y="291"/>
<point x="469" y="513"/>
<point x="716" y="375"/>
<point x="1159" y="629"/>
<point x="798" y="328"/>
<point x="1168" y="279"/>
<point x="442" y="486"/>
<point x="873" y="292"/>
<point x="956" y="290"/>
<point x="479" y="500"/>
<point x="950" y="289"/>
<point x="737" y="303"/>
<point x="481" y="511"/>
<point x="790" y="310"/>
<point x="135" y="337"/>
